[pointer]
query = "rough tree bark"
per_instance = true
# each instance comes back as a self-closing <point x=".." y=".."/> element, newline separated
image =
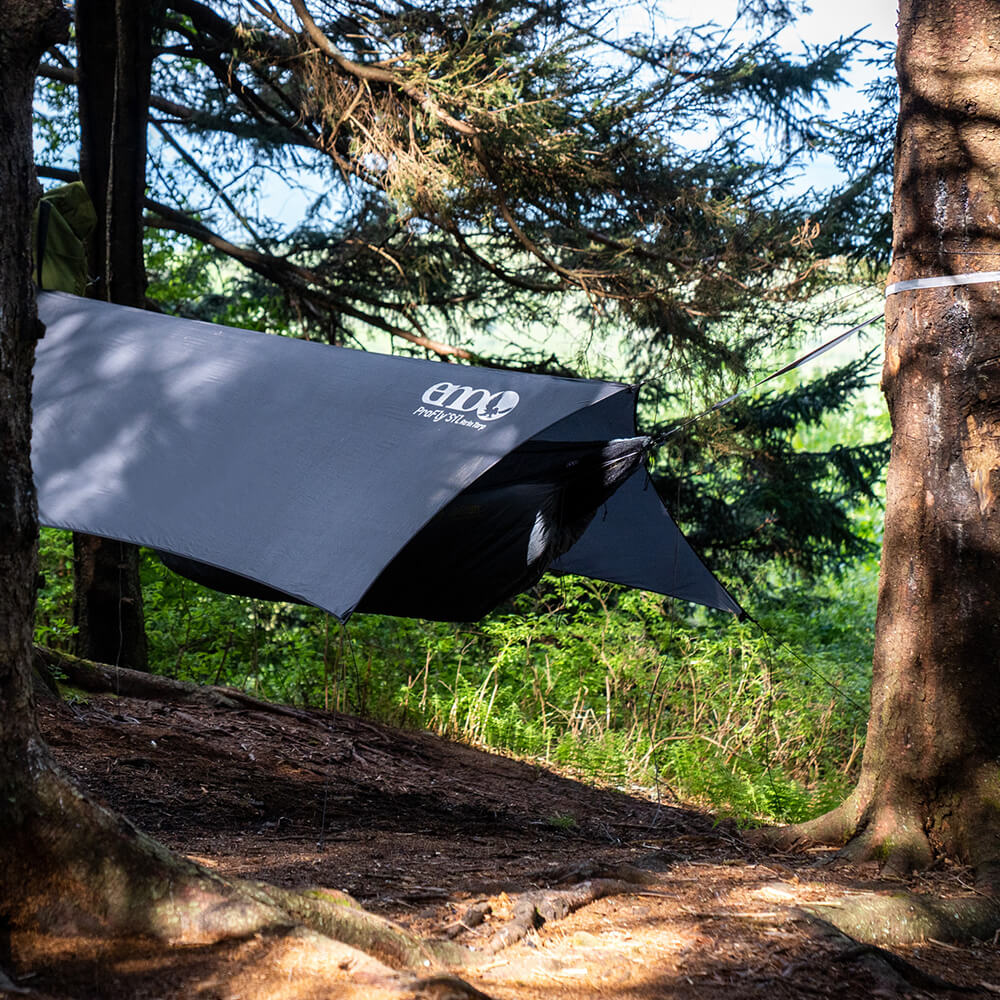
<point x="114" y="54"/>
<point x="27" y="27"/>
<point x="930" y="779"/>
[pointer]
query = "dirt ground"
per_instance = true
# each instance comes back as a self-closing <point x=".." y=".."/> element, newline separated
<point x="436" y="835"/>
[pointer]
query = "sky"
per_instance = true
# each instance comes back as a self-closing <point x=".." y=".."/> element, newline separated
<point x="875" y="19"/>
<point x="830" y="20"/>
<point x="825" y="21"/>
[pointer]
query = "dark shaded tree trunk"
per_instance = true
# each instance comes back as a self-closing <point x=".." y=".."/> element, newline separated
<point x="114" y="63"/>
<point x="114" y="51"/>
<point x="107" y="602"/>
<point x="27" y="27"/>
<point x="930" y="779"/>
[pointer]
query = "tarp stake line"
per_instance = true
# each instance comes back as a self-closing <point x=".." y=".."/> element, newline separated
<point x="942" y="281"/>
<point x="791" y="366"/>
<point x="780" y="643"/>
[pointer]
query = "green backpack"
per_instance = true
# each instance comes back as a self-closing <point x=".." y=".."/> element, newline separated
<point x="64" y="219"/>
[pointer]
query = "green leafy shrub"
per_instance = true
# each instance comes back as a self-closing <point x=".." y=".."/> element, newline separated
<point x="54" y="609"/>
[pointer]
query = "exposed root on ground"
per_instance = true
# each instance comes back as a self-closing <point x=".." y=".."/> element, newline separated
<point x="896" y="840"/>
<point x="88" y="871"/>
<point x="889" y="835"/>
<point x="888" y="971"/>
<point x="445" y="988"/>
<point x="534" y="909"/>
<point x="336" y="915"/>
<point x="99" y="678"/>
<point x="909" y="918"/>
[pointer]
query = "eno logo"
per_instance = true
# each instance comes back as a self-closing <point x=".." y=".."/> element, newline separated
<point x="485" y="404"/>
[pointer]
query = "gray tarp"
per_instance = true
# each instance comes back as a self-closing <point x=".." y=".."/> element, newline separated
<point x="307" y="467"/>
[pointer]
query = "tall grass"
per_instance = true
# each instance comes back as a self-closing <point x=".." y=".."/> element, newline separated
<point x="608" y="684"/>
<point x="613" y="684"/>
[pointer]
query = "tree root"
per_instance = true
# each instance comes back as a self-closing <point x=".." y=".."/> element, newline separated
<point x="582" y="871"/>
<point x="895" y="840"/>
<point x="535" y="909"/>
<point x="445" y="988"/>
<point x="907" y="918"/>
<point x="898" y="843"/>
<point x="834" y="828"/>
<point x="906" y="827"/>
<point x="72" y="867"/>
<point x="886" y="968"/>
<point x="70" y="863"/>
<point x="332" y="913"/>
<point x="338" y="916"/>
<point x="92" y="872"/>
<point x="77" y="868"/>
<point x="99" y="678"/>
<point x="470" y="919"/>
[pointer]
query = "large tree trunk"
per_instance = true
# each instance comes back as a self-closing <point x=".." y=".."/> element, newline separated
<point x="27" y="27"/>
<point x="930" y="780"/>
<point x="114" y="55"/>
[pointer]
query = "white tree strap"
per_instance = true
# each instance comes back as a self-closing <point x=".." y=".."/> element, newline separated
<point x="975" y="278"/>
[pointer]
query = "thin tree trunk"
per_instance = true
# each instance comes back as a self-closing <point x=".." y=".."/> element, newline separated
<point x="114" y="58"/>
<point x="107" y="605"/>
<point x="930" y="783"/>
<point x="114" y="51"/>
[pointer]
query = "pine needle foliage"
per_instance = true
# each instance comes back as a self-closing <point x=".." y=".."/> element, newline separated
<point x="474" y="159"/>
<point x="484" y="166"/>
<point x="747" y="493"/>
<point x="856" y="220"/>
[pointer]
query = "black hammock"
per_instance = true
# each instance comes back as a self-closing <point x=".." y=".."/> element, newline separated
<point x="494" y="540"/>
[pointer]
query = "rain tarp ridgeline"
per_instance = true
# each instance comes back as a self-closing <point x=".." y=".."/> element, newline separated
<point x="348" y="480"/>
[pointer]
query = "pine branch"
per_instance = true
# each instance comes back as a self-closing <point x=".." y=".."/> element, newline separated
<point x="185" y="115"/>
<point x="376" y="74"/>
<point x="295" y="280"/>
<point x="207" y="179"/>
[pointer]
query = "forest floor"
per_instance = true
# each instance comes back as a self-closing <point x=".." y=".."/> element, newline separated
<point x="433" y="834"/>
